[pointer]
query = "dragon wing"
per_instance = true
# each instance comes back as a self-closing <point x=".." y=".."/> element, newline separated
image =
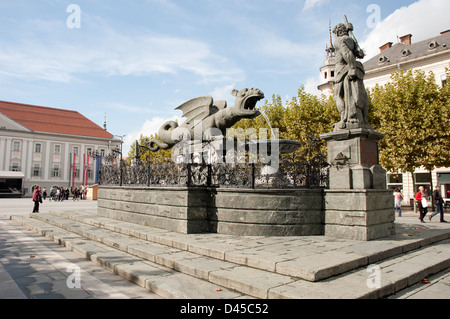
<point x="196" y="110"/>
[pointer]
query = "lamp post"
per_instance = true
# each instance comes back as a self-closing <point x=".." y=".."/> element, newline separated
<point x="121" y="156"/>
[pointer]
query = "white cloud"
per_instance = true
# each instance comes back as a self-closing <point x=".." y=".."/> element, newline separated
<point x="150" y="127"/>
<point x="50" y="56"/>
<point x="423" y="19"/>
<point x="309" y="4"/>
<point x="224" y="92"/>
<point x="311" y="85"/>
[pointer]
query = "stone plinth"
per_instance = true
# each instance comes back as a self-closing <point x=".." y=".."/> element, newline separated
<point x="242" y="212"/>
<point x="357" y="205"/>
<point x="359" y="214"/>
<point x="353" y="155"/>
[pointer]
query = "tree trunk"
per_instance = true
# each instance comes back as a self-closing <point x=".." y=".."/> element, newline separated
<point x="431" y="191"/>
<point x="414" y="192"/>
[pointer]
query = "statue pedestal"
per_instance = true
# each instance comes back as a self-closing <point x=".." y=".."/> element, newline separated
<point x="357" y="205"/>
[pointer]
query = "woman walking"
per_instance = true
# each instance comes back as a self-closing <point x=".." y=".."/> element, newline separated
<point x="398" y="196"/>
<point x="422" y="203"/>
<point x="37" y="198"/>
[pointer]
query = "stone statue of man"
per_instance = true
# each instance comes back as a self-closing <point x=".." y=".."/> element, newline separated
<point x="349" y="90"/>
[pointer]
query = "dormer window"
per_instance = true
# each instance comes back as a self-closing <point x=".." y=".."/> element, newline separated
<point x="383" y="59"/>
<point x="433" y="45"/>
<point x="406" y="52"/>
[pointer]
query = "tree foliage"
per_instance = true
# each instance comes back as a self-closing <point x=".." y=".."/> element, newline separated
<point x="413" y="112"/>
<point x="302" y="117"/>
<point x="147" y="157"/>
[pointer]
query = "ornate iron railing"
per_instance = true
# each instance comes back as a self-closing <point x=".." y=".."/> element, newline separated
<point x="292" y="172"/>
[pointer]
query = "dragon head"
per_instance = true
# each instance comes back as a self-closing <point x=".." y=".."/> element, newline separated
<point x="245" y="105"/>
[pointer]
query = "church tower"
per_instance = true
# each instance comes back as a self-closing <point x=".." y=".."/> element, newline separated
<point x="327" y="70"/>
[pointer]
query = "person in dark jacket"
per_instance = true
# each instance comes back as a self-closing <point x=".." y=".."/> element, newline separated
<point x="439" y="203"/>
<point x="37" y="198"/>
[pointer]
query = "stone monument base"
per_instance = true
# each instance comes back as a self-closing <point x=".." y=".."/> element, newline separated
<point x="242" y="212"/>
<point x="357" y="206"/>
<point x="364" y="214"/>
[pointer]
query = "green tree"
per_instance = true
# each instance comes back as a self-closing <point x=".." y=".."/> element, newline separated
<point x="147" y="157"/>
<point x="309" y="115"/>
<point x="302" y="117"/>
<point x="413" y="112"/>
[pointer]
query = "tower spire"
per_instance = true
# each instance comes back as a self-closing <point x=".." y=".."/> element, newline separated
<point x="104" y="123"/>
<point x="330" y="47"/>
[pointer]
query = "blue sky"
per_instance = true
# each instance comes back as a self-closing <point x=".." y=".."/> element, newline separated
<point x="138" y="60"/>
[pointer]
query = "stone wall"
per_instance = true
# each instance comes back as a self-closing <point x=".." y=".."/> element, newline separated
<point x="296" y="212"/>
<point x="181" y="210"/>
<point x="365" y="214"/>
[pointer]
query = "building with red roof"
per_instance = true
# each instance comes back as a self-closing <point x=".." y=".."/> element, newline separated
<point x="48" y="146"/>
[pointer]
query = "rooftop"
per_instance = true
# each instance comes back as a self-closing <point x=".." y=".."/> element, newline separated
<point x="407" y="51"/>
<point x="52" y="120"/>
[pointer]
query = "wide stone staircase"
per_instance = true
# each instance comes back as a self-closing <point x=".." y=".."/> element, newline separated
<point x="213" y="266"/>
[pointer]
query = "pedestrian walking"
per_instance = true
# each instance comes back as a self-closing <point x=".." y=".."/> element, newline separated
<point x="37" y="198"/>
<point x="439" y="203"/>
<point x="422" y="203"/>
<point x="44" y="193"/>
<point x="398" y="196"/>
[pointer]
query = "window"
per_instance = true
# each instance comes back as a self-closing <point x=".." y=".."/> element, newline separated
<point x="89" y="150"/>
<point x="395" y="179"/>
<point x="77" y="172"/>
<point x="102" y="152"/>
<point x="15" y="167"/>
<point x="37" y="170"/>
<point x="423" y="178"/>
<point x="75" y="150"/>
<point x="55" y="171"/>
<point x="57" y="149"/>
<point x="37" y="148"/>
<point x="325" y="75"/>
<point x="16" y="146"/>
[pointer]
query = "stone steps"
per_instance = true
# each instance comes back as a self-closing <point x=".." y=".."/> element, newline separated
<point x="164" y="281"/>
<point x="313" y="258"/>
<point x="261" y="267"/>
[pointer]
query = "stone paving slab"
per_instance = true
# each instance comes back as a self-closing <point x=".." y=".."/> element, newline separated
<point x="32" y="267"/>
<point x="436" y="287"/>
<point x="256" y="282"/>
<point x="283" y="255"/>
<point x="250" y="281"/>
<point x="396" y="274"/>
<point x="161" y="280"/>
<point x="321" y="265"/>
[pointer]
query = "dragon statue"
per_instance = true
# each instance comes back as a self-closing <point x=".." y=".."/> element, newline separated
<point x="205" y="114"/>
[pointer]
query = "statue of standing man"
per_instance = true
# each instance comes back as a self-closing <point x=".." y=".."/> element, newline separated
<point x="349" y="90"/>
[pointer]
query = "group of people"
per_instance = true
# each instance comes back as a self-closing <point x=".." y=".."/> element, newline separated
<point x="57" y="193"/>
<point x="422" y="200"/>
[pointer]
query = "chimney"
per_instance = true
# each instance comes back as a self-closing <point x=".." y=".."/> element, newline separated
<point x="406" y="39"/>
<point x="445" y="32"/>
<point x="385" y="47"/>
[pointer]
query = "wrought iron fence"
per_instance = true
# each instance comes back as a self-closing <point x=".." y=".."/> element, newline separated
<point x="292" y="172"/>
